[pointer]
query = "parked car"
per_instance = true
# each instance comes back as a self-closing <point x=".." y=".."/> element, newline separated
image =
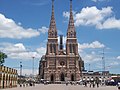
<point x="111" y="83"/>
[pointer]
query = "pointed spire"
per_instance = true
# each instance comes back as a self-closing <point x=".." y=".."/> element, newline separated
<point x="52" y="27"/>
<point x="71" y="27"/>
<point x="71" y="20"/>
<point x="53" y="7"/>
<point x="52" y="22"/>
<point x="70" y="5"/>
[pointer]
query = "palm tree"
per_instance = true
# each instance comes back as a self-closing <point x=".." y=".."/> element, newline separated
<point x="2" y="58"/>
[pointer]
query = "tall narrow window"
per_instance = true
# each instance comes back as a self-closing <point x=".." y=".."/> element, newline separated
<point x="54" y="46"/>
<point x="70" y="47"/>
<point x="74" y="48"/>
<point x="50" y="48"/>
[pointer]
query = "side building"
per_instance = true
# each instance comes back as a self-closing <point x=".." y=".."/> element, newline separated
<point x="59" y="64"/>
<point x="8" y="77"/>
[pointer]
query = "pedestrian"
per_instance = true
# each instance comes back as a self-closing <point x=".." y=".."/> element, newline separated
<point x="90" y="83"/>
<point x="85" y="83"/>
<point x="93" y="84"/>
<point x="23" y="84"/>
<point x="118" y="85"/>
<point x="20" y="85"/>
<point x="97" y="81"/>
<point x="66" y="83"/>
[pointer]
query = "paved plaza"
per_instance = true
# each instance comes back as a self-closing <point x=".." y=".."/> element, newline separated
<point x="63" y="87"/>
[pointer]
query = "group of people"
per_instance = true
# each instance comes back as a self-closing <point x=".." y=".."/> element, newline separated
<point x="92" y="83"/>
<point x="27" y="84"/>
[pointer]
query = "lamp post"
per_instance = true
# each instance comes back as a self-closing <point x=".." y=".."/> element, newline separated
<point x="20" y="72"/>
<point x="89" y="67"/>
<point x="0" y="58"/>
<point x="103" y="65"/>
<point x="20" y="69"/>
<point x="33" y="66"/>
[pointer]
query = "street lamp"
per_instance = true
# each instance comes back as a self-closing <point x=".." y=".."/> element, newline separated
<point x="33" y="66"/>
<point x="89" y="67"/>
<point x="20" y="69"/>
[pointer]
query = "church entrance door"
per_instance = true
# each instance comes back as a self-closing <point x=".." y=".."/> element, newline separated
<point x="72" y="77"/>
<point x="52" y="78"/>
<point x="62" y="77"/>
<point x="4" y="81"/>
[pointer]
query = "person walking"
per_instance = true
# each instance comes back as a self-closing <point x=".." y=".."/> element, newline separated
<point x="93" y="84"/>
<point x="118" y="85"/>
<point x="85" y="83"/>
<point x="97" y="82"/>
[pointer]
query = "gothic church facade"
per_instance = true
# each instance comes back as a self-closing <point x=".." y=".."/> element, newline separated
<point x="59" y="64"/>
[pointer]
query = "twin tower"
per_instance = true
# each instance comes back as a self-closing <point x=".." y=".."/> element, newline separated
<point x="58" y="64"/>
<point x="71" y="41"/>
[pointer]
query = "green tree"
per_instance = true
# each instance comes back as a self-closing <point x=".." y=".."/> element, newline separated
<point x="2" y="58"/>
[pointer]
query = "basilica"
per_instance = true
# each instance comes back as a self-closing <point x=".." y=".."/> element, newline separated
<point x="59" y="63"/>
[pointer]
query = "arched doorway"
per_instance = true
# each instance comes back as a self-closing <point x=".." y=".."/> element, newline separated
<point x="62" y="77"/>
<point x="0" y="78"/>
<point x="9" y="81"/>
<point x="52" y="78"/>
<point x="72" y="77"/>
<point x="4" y="81"/>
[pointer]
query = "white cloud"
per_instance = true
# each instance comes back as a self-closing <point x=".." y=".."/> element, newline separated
<point x="41" y="51"/>
<point x="43" y="29"/>
<point x="99" y="0"/>
<point x="92" y="16"/>
<point x="9" y="29"/>
<point x="91" y="56"/>
<point x="19" y="51"/>
<point x="23" y="55"/>
<point x="110" y="23"/>
<point x="114" y="63"/>
<point x="66" y="14"/>
<point x="28" y="71"/>
<point x="16" y="48"/>
<point x="118" y="57"/>
<point x="95" y="44"/>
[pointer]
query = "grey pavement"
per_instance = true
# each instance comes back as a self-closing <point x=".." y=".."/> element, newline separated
<point x="63" y="87"/>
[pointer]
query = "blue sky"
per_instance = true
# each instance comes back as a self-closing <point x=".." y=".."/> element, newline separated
<point x="24" y="25"/>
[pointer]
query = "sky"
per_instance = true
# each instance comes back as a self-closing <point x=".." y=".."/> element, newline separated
<point x="24" y="26"/>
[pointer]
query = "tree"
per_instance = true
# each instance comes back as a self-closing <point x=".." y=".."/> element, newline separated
<point x="2" y="58"/>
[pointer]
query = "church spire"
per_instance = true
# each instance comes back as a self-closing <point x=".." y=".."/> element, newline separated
<point x="71" y="27"/>
<point x="52" y="44"/>
<point x="71" y="41"/>
<point x="70" y="5"/>
<point x="52" y="27"/>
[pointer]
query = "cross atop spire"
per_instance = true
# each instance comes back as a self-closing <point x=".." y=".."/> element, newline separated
<point x="71" y="28"/>
<point x="52" y="27"/>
